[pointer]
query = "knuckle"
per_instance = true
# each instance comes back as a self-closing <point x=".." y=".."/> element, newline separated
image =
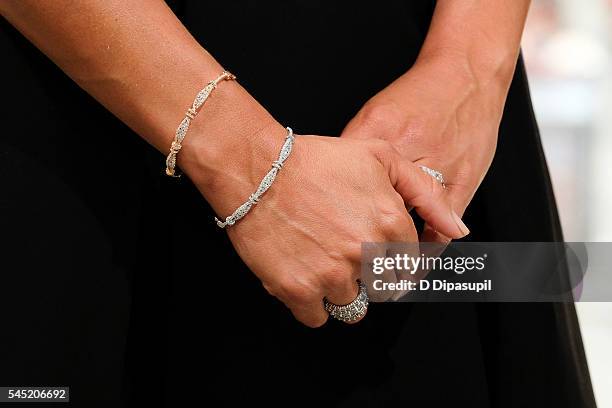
<point x="292" y="291"/>
<point x="431" y="189"/>
<point x="383" y="117"/>
<point x="336" y="278"/>
<point x="382" y="149"/>
<point x="354" y="251"/>
<point x="391" y="221"/>
<point x="270" y="289"/>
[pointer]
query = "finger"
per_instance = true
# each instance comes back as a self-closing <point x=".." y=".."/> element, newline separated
<point x="402" y="253"/>
<point x="433" y="242"/>
<point x="429" y="234"/>
<point x="311" y="314"/>
<point x="403" y="245"/>
<point x="427" y="196"/>
<point x="459" y="198"/>
<point x="433" y="245"/>
<point x="345" y="294"/>
<point x="374" y="255"/>
<point x="303" y="299"/>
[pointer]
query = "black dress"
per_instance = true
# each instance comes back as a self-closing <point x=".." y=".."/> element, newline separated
<point x="102" y="292"/>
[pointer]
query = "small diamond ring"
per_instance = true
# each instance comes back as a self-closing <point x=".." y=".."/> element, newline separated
<point x="435" y="174"/>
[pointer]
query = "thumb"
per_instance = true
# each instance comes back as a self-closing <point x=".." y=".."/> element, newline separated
<point x="421" y="191"/>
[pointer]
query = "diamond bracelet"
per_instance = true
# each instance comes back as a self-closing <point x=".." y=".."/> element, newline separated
<point x="190" y="115"/>
<point x="265" y="184"/>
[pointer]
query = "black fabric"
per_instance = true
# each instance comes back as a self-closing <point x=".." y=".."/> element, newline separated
<point x="101" y="291"/>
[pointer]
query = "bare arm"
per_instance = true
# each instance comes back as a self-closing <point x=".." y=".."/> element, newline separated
<point x="139" y="61"/>
<point x="303" y="241"/>
<point x="134" y="57"/>
<point x="480" y="38"/>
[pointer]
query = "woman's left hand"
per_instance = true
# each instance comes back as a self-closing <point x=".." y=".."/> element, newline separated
<point x="438" y="115"/>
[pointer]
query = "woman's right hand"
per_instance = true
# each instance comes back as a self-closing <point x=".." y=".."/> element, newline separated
<point x="303" y="239"/>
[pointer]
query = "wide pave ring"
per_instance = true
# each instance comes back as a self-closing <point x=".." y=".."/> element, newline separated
<point x="435" y="174"/>
<point x="352" y="311"/>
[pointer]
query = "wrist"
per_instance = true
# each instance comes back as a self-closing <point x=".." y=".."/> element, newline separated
<point x="485" y="69"/>
<point x="229" y="150"/>
<point x="466" y="78"/>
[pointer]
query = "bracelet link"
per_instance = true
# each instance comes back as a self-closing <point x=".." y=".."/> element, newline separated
<point x="190" y="115"/>
<point x="265" y="184"/>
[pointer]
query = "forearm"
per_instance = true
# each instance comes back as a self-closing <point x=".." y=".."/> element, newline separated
<point x="138" y="60"/>
<point x="478" y="39"/>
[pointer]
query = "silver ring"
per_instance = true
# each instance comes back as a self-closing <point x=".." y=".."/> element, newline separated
<point x="352" y="311"/>
<point x="435" y="174"/>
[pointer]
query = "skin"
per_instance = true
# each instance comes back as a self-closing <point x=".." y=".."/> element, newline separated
<point x="138" y="60"/>
<point x="445" y="111"/>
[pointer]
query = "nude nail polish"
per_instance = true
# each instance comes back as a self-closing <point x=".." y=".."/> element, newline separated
<point x="464" y="229"/>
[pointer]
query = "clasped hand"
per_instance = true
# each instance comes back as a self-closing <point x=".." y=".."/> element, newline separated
<point x="303" y="241"/>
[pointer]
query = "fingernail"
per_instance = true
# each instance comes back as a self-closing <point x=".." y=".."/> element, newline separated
<point x="464" y="229"/>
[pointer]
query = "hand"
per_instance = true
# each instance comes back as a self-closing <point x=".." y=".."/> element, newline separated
<point x="303" y="240"/>
<point x="439" y="116"/>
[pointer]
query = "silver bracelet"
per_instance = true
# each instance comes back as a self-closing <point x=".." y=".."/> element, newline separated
<point x="265" y="184"/>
